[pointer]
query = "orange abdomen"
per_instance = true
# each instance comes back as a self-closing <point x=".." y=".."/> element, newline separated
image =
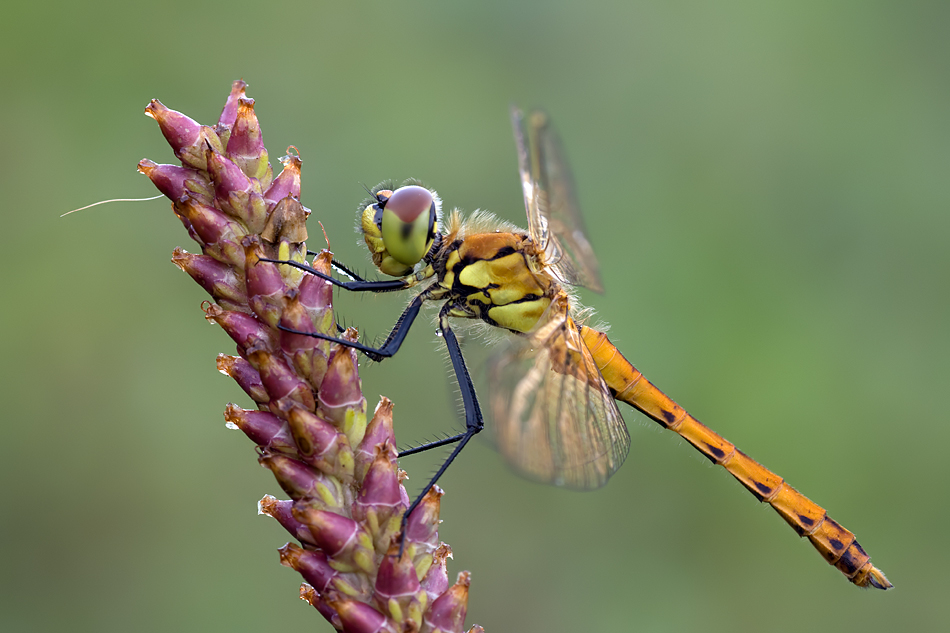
<point x="836" y="544"/>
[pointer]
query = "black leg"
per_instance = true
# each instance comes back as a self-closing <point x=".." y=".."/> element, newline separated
<point x="358" y="285"/>
<point x="436" y="444"/>
<point x="473" y="415"/>
<point x="346" y="271"/>
<point x="340" y="266"/>
<point x="393" y="341"/>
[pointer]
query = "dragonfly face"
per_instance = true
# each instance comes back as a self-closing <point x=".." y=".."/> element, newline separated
<point x="400" y="227"/>
<point x="555" y="383"/>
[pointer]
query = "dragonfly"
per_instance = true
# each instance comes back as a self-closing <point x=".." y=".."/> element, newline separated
<point x="555" y="382"/>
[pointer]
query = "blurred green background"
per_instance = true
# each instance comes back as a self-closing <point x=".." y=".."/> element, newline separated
<point x="767" y="187"/>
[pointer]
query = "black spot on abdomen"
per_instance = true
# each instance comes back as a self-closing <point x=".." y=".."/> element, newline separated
<point x="715" y="450"/>
<point x="669" y="416"/>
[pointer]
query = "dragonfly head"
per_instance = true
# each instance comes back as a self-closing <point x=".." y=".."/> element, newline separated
<point x="400" y="227"/>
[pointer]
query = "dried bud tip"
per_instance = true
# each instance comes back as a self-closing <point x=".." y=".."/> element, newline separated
<point x="229" y="113"/>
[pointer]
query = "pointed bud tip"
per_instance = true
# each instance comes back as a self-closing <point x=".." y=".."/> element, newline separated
<point x="267" y="505"/>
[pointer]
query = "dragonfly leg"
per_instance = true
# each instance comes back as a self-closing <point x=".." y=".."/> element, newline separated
<point x="392" y="343"/>
<point x="343" y="268"/>
<point x="429" y="445"/>
<point x="357" y="285"/>
<point x="473" y="415"/>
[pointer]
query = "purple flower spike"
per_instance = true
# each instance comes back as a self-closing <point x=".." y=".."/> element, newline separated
<point x="221" y="281"/>
<point x="244" y="374"/>
<point x="342" y="539"/>
<point x="358" y="617"/>
<point x="309" y="594"/>
<point x="447" y="613"/>
<point x="378" y="432"/>
<point x="219" y="235"/>
<point x="313" y="566"/>
<point x="235" y="193"/>
<point x="436" y="580"/>
<point x="341" y="395"/>
<point x="301" y="481"/>
<point x="175" y="181"/>
<point x="279" y="379"/>
<point x="310" y="355"/>
<point x="241" y="327"/>
<point x="266" y="290"/>
<point x="398" y="592"/>
<point x="287" y="182"/>
<point x="284" y="235"/>
<point x="423" y="524"/>
<point x="316" y="295"/>
<point x="229" y="113"/>
<point x="347" y="500"/>
<point x="380" y="503"/>
<point x="320" y="444"/>
<point x="282" y="511"/>
<point x="263" y="428"/>
<point x="188" y="139"/>
<point x="246" y="144"/>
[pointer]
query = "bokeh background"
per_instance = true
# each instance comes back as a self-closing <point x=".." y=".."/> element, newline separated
<point x="767" y="187"/>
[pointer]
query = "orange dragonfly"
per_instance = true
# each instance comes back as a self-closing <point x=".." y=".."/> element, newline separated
<point x="554" y="385"/>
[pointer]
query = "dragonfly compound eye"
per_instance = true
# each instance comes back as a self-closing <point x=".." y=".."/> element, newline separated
<point x="408" y="224"/>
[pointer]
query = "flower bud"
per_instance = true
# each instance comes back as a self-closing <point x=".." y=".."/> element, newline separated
<point x="341" y="395"/>
<point x="265" y="286"/>
<point x="422" y="527"/>
<point x="436" y="580"/>
<point x="263" y="428"/>
<point x="313" y="566"/>
<point x="286" y="184"/>
<point x="447" y="613"/>
<point x="302" y="482"/>
<point x="245" y="376"/>
<point x="240" y="326"/>
<point x="358" y="617"/>
<point x="285" y="234"/>
<point x="221" y="281"/>
<point x="236" y="194"/>
<point x="282" y="511"/>
<point x="229" y="112"/>
<point x="310" y="355"/>
<point x="348" y="546"/>
<point x="320" y="444"/>
<point x="378" y="432"/>
<point x="246" y="144"/>
<point x="379" y="503"/>
<point x="220" y="235"/>
<point x="188" y="139"/>
<point x="397" y="589"/>
<point x="310" y="595"/>
<point x="278" y="378"/>
<point x="175" y="181"/>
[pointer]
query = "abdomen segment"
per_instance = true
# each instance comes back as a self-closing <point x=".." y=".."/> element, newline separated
<point x="837" y="545"/>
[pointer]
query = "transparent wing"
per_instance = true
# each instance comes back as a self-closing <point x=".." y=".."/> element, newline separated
<point x="555" y="418"/>
<point x="554" y="218"/>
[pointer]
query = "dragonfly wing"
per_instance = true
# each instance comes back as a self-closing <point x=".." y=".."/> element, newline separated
<point x="556" y="420"/>
<point x="530" y="187"/>
<point x="554" y="218"/>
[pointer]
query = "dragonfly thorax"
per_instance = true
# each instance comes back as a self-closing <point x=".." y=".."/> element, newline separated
<point x="493" y="279"/>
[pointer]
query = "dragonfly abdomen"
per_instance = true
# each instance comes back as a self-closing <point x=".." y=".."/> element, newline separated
<point x="836" y="544"/>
